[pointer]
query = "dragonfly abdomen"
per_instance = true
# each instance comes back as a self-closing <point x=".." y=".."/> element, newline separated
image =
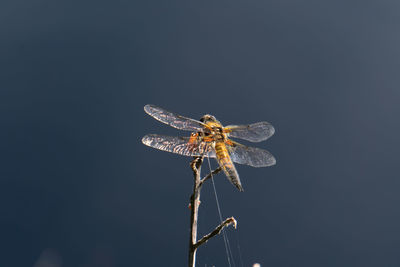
<point x="222" y="153"/>
<point x="226" y="164"/>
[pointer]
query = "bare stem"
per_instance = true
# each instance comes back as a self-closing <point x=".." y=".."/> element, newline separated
<point x="194" y="211"/>
<point x="216" y="231"/>
<point x="211" y="174"/>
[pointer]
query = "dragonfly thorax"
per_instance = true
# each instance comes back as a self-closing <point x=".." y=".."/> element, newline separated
<point x="213" y="129"/>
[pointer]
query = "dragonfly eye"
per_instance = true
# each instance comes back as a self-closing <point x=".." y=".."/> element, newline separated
<point x="207" y="118"/>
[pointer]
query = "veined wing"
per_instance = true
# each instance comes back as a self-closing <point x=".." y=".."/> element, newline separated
<point x="255" y="157"/>
<point x="255" y="132"/>
<point x="174" y="120"/>
<point x="179" y="145"/>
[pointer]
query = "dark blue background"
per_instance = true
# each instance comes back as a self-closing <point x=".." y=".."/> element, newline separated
<point x="78" y="188"/>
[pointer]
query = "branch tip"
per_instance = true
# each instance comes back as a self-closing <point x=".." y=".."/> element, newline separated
<point x="216" y="231"/>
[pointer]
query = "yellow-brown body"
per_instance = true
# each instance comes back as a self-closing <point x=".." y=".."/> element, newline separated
<point x="215" y="134"/>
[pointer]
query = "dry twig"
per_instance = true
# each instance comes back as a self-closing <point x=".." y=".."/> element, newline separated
<point x="194" y="211"/>
<point x="216" y="231"/>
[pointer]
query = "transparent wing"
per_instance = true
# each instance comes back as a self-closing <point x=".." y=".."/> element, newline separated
<point x="255" y="132"/>
<point x="179" y="145"/>
<point x="174" y="120"/>
<point x="255" y="157"/>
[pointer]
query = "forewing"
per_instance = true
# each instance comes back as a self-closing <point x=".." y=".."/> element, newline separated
<point x="255" y="132"/>
<point x="179" y="145"/>
<point x="255" y="157"/>
<point x="174" y="120"/>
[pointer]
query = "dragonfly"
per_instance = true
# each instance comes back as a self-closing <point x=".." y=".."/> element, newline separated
<point x="210" y="139"/>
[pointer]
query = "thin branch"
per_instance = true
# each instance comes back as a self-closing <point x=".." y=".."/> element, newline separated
<point x="194" y="211"/>
<point x="216" y="231"/>
<point x="211" y="174"/>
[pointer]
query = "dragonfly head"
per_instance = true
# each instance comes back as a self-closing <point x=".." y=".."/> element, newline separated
<point x="213" y="127"/>
<point x="208" y="118"/>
